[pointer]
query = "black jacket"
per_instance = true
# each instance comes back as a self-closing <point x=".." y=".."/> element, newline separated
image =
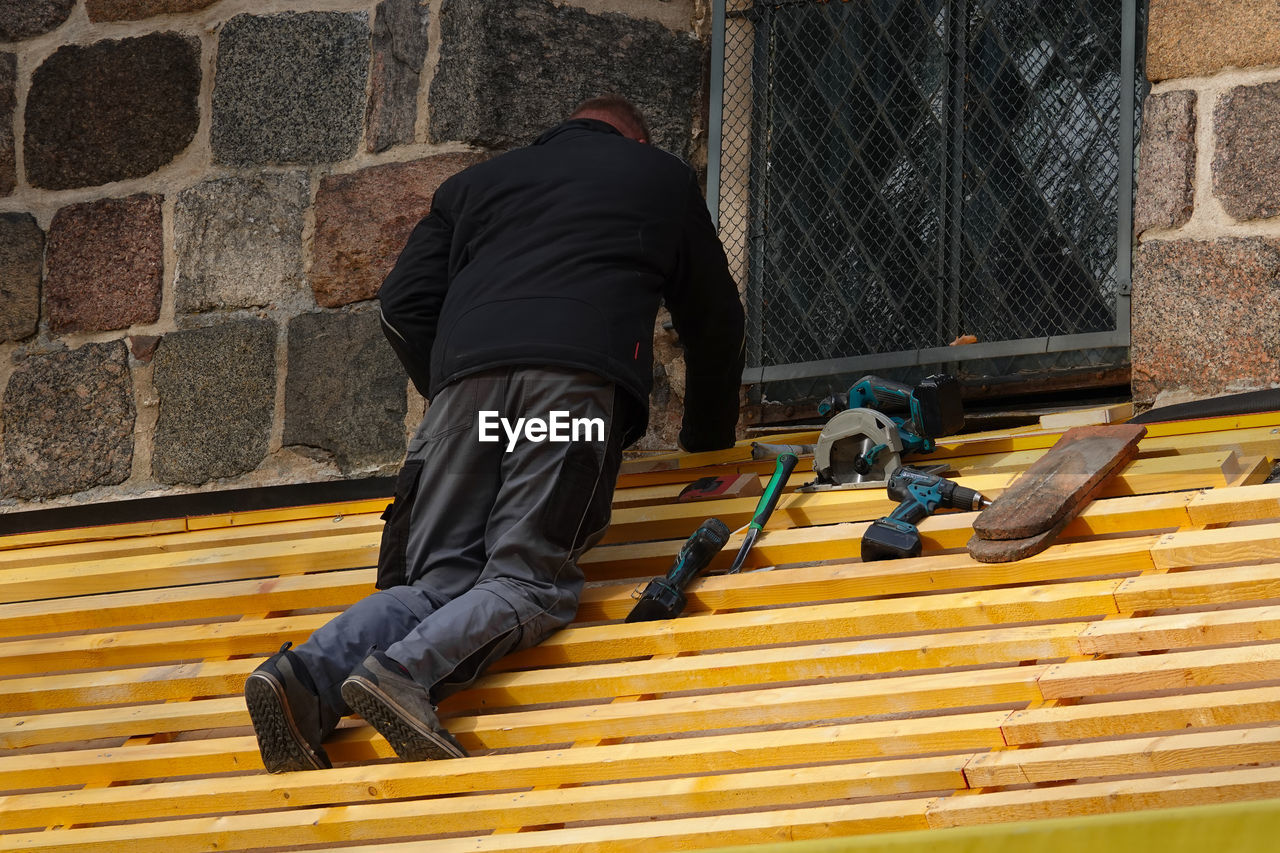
<point x="557" y="254"/>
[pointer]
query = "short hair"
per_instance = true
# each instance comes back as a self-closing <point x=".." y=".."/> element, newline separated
<point x="616" y="110"/>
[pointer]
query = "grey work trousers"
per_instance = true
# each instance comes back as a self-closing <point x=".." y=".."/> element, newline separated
<point x="494" y="533"/>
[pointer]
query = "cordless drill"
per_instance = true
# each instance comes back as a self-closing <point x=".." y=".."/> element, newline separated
<point x="664" y="598"/>
<point x="919" y="495"/>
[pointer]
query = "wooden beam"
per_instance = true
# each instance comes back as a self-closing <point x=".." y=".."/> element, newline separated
<point x="774" y="825"/>
<point x="1107" y="797"/>
<point x="1166" y="753"/>
<point x="958" y="733"/>
<point x="1240" y="707"/>
<point x="1182" y="630"/>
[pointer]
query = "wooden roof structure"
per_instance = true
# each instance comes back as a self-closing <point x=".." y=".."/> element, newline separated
<point x="1134" y="665"/>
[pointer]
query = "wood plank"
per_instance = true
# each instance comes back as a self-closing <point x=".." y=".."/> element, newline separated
<point x="1131" y="756"/>
<point x="959" y="733"/>
<point x="881" y="655"/>
<point x="1241" y="707"/>
<point x="371" y="507"/>
<point x="765" y="826"/>
<point x="1247" y="503"/>
<point x="1199" y="587"/>
<point x="692" y="633"/>
<point x="1106" y="797"/>
<point x="199" y="566"/>
<point x="1088" y="416"/>
<point x="153" y="645"/>
<point x="1182" y="630"/>
<point x="181" y="603"/>
<point x="1175" y="670"/>
<point x="783" y="547"/>
<point x="769" y="706"/>
<point x="616" y="801"/>
<point x="676" y="521"/>
<point x="886" y="577"/>
<point x="1253" y="543"/>
<point x="177" y="542"/>
<point x="125" y="686"/>
<point x="592" y="681"/>
<point x="93" y="533"/>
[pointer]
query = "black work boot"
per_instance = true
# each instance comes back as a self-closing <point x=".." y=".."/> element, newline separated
<point x="382" y="691"/>
<point x="288" y="716"/>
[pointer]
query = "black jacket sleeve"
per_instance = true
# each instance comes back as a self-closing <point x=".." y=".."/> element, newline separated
<point x="413" y="292"/>
<point x="707" y="313"/>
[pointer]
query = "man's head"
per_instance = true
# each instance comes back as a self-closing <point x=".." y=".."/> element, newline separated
<point x="617" y="111"/>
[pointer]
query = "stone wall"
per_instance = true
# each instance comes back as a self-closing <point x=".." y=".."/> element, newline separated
<point x="1206" y="274"/>
<point x="199" y="199"/>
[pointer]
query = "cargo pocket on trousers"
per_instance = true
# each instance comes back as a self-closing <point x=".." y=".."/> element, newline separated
<point x="393" y="561"/>
<point x="573" y="509"/>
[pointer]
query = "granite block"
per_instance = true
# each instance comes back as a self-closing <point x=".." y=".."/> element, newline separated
<point x="21" y="265"/>
<point x="111" y="110"/>
<point x="399" y="51"/>
<point x="68" y="424"/>
<point x="509" y="69"/>
<point x="217" y="388"/>
<point x="345" y="391"/>
<point x="1166" y="162"/>
<point x="239" y="242"/>
<point x="1246" y="161"/>
<point x="290" y="88"/>
<point x="105" y="264"/>
<point x="363" y="220"/>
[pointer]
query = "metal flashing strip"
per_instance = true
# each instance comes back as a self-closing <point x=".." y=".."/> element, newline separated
<point x="933" y="355"/>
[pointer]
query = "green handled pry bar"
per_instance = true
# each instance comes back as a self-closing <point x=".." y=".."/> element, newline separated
<point x="781" y="471"/>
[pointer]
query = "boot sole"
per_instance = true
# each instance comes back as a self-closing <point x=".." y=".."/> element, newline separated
<point x="283" y="747"/>
<point x="411" y="741"/>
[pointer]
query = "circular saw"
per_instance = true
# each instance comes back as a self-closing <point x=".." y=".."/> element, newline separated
<point x="857" y="449"/>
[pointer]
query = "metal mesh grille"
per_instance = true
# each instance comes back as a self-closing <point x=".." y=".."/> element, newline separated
<point x="894" y="173"/>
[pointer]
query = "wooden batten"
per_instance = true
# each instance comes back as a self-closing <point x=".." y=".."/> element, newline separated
<point x="1131" y="666"/>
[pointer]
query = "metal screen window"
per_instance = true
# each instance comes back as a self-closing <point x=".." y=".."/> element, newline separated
<point x="891" y="174"/>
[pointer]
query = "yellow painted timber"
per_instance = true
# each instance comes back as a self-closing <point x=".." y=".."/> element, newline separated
<point x="1247" y="503"/>
<point x="179" y="603"/>
<point x="1130" y="756"/>
<point x="179" y="542"/>
<point x="589" y="682"/>
<point x="127" y="721"/>
<point x="640" y="837"/>
<point x="126" y="686"/>
<point x="771" y="706"/>
<point x="372" y="507"/>
<point x="1107" y="797"/>
<point x="116" y="764"/>
<point x="621" y="800"/>
<point x="91" y="534"/>
<point x="1182" y="669"/>
<point x="957" y="733"/>
<point x="1182" y="630"/>
<point x="200" y="566"/>
<point x="769" y="666"/>
<point x="887" y="577"/>
<point x="961" y="689"/>
<point x="1249" y="706"/>
<point x="127" y="648"/>
<point x="1252" y="543"/>
<point x="677" y="521"/>
<point x="1199" y="587"/>
<point x="820" y="622"/>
